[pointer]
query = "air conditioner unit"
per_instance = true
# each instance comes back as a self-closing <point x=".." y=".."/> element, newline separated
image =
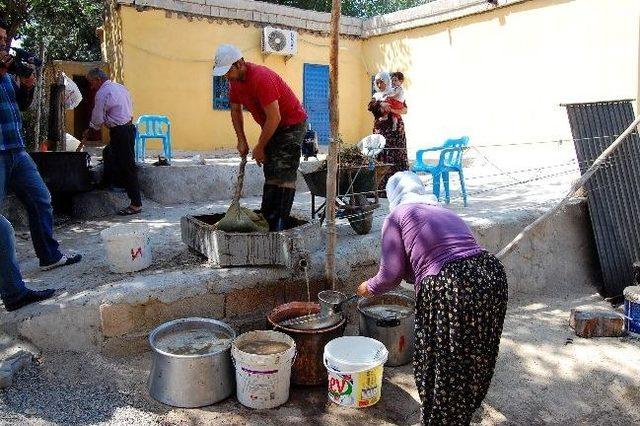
<point x="280" y="42"/>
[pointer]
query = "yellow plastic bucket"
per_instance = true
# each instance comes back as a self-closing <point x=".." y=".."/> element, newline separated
<point x="354" y="367"/>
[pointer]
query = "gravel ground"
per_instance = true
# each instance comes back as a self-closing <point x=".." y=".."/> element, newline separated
<point x="544" y="375"/>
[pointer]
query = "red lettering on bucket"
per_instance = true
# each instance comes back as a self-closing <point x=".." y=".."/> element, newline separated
<point x="341" y="386"/>
<point x="402" y="343"/>
<point x="136" y="253"/>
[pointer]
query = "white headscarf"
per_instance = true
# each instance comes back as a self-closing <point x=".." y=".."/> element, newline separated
<point x="407" y="188"/>
<point x="386" y="78"/>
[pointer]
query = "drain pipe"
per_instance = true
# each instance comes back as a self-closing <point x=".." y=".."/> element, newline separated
<point x="575" y="187"/>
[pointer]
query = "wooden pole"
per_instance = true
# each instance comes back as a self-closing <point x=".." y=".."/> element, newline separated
<point x="585" y="177"/>
<point x="332" y="159"/>
<point x="62" y="134"/>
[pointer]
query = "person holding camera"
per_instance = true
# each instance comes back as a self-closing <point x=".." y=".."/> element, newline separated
<point x="18" y="172"/>
<point x="113" y="108"/>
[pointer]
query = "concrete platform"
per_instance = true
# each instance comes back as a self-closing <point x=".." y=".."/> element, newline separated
<point x="96" y="310"/>
<point x="182" y="182"/>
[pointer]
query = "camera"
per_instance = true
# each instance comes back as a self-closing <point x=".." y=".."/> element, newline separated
<point x="23" y="63"/>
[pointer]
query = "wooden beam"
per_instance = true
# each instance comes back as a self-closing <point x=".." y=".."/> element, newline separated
<point x="332" y="159"/>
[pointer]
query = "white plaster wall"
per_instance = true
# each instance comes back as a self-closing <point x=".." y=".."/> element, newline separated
<point x="501" y="76"/>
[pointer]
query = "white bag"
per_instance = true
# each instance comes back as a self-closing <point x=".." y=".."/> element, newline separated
<point x="72" y="95"/>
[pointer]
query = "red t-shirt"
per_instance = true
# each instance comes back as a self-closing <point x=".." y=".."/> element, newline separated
<point x="261" y="87"/>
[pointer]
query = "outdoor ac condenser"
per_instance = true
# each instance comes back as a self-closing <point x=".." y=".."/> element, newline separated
<point x="280" y="42"/>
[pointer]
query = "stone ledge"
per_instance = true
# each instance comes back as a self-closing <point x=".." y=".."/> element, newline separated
<point x="254" y="11"/>
<point x="267" y="13"/>
<point x="428" y="14"/>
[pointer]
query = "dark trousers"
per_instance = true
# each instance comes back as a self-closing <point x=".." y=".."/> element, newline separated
<point x="19" y="173"/>
<point x="123" y="164"/>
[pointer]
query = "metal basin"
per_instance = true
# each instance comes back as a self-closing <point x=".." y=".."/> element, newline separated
<point x="396" y="331"/>
<point x="181" y="378"/>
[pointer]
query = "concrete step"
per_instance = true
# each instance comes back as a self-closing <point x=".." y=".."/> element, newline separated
<point x="201" y="183"/>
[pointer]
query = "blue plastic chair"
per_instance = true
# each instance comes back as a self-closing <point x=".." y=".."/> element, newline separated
<point x="450" y="161"/>
<point x="152" y="127"/>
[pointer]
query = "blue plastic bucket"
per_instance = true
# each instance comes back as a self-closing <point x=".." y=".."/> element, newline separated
<point x="632" y="309"/>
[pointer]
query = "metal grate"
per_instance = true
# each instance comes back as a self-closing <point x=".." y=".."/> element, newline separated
<point x="221" y="93"/>
<point x="614" y="190"/>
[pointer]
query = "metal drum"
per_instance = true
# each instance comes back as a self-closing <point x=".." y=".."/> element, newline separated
<point x="389" y="318"/>
<point x="192" y="376"/>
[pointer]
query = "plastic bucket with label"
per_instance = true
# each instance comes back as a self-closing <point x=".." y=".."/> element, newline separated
<point x="263" y="381"/>
<point x="355" y="366"/>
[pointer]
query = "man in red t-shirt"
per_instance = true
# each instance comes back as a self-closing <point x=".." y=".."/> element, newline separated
<point x="283" y="120"/>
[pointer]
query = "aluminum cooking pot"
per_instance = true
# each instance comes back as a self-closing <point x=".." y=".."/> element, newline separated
<point x="191" y="380"/>
<point x="395" y="331"/>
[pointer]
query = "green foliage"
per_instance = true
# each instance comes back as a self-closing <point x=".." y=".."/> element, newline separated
<point x="68" y="27"/>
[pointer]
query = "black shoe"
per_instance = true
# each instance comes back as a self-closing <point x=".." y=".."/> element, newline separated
<point x="31" y="296"/>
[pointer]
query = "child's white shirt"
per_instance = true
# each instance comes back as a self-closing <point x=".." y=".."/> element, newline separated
<point x="396" y="93"/>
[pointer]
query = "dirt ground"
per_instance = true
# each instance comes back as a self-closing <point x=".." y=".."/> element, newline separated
<point x="544" y="375"/>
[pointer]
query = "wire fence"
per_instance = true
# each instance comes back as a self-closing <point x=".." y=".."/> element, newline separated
<point x="483" y="184"/>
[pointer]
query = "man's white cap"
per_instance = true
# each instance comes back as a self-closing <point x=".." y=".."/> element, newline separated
<point x="226" y="55"/>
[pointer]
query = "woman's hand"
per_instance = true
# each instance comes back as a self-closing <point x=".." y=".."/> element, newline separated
<point x="363" y="290"/>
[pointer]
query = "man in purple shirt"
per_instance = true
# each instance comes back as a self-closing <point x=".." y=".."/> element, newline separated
<point x="113" y="108"/>
<point x="461" y="299"/>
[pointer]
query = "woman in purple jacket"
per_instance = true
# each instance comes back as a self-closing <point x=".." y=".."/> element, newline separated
<point x="461" y="299"/>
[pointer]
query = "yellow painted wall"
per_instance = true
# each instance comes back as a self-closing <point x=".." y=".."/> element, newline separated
<point x="167" y="63"/>
<point x="500" y="77"/>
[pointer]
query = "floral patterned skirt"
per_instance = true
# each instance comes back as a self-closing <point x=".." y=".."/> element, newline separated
<point x="459" y="318"/>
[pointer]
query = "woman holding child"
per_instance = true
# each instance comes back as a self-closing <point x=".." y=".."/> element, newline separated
<point x="387" y="107"/>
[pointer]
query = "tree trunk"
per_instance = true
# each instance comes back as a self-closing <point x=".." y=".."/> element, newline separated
<point x="40" y="95"/>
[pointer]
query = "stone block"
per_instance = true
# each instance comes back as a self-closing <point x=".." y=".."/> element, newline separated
<point x="249" y="323"/>
<point x="95" y="204"/>
<point x="196" y="9"/>
<point x="596" y="323"/>
<point x="256" y="300"/>
<point x="209" y="305"/>
<point x="245" y="15"/>
<point x="120" y="319"/>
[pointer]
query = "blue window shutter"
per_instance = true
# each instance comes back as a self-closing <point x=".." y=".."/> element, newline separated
<point x="221" y="93"/>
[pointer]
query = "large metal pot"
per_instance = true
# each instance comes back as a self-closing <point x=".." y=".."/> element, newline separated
<point x="395" y="331"/>
<point x="191" y="380"/>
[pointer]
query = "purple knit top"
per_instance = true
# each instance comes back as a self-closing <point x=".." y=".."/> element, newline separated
<point x="417" y="241"/>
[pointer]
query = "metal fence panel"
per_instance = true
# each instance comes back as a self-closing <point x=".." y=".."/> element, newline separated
<point x="614" y="190"/>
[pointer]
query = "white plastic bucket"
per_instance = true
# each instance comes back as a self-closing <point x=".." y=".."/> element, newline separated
<point x="355" y="366"/>
<point x="128" y="247"/>
<point x="263" y="381"/>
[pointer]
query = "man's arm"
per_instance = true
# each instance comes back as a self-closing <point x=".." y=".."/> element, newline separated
<point x="238" y="125"/>
<point x="272" y="111"/>
<point x="24" y="91"/>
